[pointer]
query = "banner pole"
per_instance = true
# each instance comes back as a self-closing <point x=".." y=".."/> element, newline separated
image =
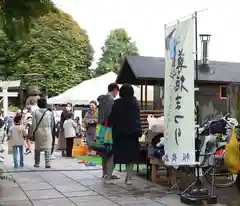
<point x="198" y="141"/>
<point x="196" y="45"/>
<point x="185" y="17"/>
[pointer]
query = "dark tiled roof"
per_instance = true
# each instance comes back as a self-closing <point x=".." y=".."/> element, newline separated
<point x="222" y="72"/>
<point x="137" y="69"/>
<point x="147" y="67"/>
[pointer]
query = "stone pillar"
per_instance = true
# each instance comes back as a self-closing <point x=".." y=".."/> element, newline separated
<point x="33" y="94"/>
<point x="5" y="101"/>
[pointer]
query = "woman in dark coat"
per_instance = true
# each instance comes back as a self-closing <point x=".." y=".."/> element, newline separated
<point x="126" y="127"/>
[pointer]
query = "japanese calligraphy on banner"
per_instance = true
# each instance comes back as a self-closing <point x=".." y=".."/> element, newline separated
<point x="179" y="103"/>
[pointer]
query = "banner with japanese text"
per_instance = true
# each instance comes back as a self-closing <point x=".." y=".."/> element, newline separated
<point x="179" y="101"/>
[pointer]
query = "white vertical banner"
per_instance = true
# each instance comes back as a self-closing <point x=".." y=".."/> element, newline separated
<point x="179" y="101"/>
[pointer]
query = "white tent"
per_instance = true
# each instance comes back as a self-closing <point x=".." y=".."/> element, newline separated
<point x="89" y="90"/>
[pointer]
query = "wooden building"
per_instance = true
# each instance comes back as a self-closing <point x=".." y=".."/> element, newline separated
<point x="219" y="89"/>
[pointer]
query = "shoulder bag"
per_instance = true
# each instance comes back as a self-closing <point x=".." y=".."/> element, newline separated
<point x="34" y="131"/>
<point x="103" y="144"/>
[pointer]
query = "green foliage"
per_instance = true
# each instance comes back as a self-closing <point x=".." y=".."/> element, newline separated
<point x="12" y="108"/>
<point x="5" y="54"/>
<point x="117" y="45"/>
<point x="57" y="47"/>
<point x="16" y="15"/>
<point x="10" y="52"/>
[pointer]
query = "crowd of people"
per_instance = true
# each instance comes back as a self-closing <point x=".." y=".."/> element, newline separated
<point x="37" y="123"/>
<point x="123" y="116"/>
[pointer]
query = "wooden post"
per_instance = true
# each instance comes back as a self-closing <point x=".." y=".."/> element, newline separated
<point x="154" y="173"/>
<point x="156" y="97"/>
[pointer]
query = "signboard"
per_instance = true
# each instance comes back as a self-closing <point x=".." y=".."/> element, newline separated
<point x="179" y="103"/>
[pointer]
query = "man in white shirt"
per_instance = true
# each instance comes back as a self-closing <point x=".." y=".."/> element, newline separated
<point x="54" y="132"/>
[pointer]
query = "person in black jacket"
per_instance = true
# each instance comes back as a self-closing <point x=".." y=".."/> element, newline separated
<point x="54" y="131"/>
<point x="126" y="129"/>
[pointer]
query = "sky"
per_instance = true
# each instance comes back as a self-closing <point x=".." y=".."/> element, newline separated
<point x="144" y="21"/>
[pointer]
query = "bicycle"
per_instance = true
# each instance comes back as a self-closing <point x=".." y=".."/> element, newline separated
<point x="223" y="178"/>
<point x="216" y="173"/>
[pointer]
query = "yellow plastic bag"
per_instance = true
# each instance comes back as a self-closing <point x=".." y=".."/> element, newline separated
<point x="232" y="154"/>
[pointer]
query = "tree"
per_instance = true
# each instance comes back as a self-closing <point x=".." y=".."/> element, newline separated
<point x="3" y="53"/>
<point x="16" y="15"/>
<point x="10" y="53"/>
<point x="56" y="47"/>
<point x="117" y="45"/>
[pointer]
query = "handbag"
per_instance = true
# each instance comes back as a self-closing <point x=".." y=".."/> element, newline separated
<point x="34" y="131"/>
<point x="103" y="138"/>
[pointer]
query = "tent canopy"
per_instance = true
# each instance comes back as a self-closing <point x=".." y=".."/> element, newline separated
<point x="91" y="89"/>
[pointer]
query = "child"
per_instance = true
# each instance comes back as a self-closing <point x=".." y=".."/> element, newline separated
<point x="27" y="121"/>
<point x="79" y="127"/>
<point x="69" y="127"/>
<point x="17" y="135"/>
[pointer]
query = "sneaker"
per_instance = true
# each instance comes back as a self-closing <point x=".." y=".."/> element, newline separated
<point x="108" y="180"/>
<point x="28" y="151"/>
<point x="115" y="177"/>
<point x="36" y="165"/>
<point x="64" y="153"/>
<point x="47" y="166"/>
<point x="128" y="181"/>
<point x="1" y="159"/>
<point x="53" y="157"/>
